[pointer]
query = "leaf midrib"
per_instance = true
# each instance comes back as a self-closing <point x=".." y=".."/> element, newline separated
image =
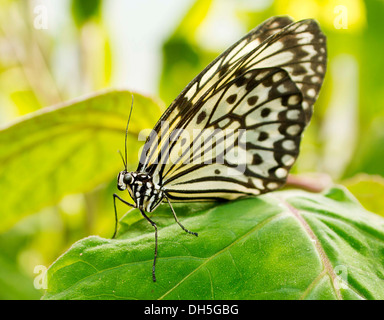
<point x="317" y="244"/>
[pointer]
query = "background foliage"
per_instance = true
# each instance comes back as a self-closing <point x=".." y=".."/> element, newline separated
<point x="83" y="49"/>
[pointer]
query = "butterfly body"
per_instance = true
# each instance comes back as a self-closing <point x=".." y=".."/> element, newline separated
<point x="235" y="130"/>
<point x="146" y="194"/>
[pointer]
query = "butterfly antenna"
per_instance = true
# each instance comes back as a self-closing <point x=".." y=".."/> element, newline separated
<point x="126" y="135"/>
<point x="122" y="158"/>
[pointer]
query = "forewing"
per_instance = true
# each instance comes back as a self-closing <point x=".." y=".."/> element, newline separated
<point x="300" y="49"/>
<point x="250" y="139"/>
<point x="217" y="71"/>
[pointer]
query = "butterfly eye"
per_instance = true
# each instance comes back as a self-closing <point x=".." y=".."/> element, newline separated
<point x="127" y="179"/>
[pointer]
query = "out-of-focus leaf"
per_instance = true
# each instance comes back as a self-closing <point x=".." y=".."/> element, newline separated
<point x="370" y="151"/>
<point x="192" y="20"/>
<point x="369" y="190"/>
<point x="285" y="245"/>
<point x="13" y="283"/>
<point x="68" y="149"/>
<point x="182" y="58"/>
<point x="82" y="11"/>
<point x="25" y="101"/>
<point x="16" y="249"/>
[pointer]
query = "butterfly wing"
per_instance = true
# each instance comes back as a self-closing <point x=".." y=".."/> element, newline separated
<point x="257" y="94"/>
<point x="250" y="139"/>
<point x="217" y="70"/>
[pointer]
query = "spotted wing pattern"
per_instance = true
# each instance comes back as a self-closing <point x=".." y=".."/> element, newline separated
<point x="235" y="129"/>
<point x="216" y="71"/>
<point x="251" y="136"/>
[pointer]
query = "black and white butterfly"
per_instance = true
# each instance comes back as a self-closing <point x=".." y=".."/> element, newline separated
<point x="258" y="95"/>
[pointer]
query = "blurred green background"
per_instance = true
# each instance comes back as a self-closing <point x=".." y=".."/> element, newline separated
<point x="55" y="50"/>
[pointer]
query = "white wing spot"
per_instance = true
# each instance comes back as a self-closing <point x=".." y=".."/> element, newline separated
<point x="293" y="100"/>
<point x="305" y="38"/>
<point x="261" y="75"/>
<point x="287" y="160"/>
<point x="275" y="24"/>
<point x="277" y="76"/>
<point x="282" y="89"/>
<point x="311" y="92"/>
<point x="302" y="28"/>
<point x="281" y="173"/>
<point x="258" y="183"/>
<point x="272" y="185"/>
<point x="247" y="75"/>
<point x="289" y="145"/>
<point x="315" y="79"/>
<point x="293" y="130"/>
<point x="293" y="114"/>
<point x="223" y="122"/>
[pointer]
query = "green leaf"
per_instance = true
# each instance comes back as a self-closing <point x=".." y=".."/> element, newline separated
<point x="284" y="245"/>
<point x="67" y="149"/>
<point x="183" y="59"/>
<point x="369" y="190"/>
<point x="83" y="11"/>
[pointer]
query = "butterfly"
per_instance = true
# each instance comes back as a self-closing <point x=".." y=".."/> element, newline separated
<point x="235" y="130"/>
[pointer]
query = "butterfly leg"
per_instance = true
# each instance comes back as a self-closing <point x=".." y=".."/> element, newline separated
<point x="178" y="222"/>
<point x="154" y="259"/>
<point x="114" y="205"/>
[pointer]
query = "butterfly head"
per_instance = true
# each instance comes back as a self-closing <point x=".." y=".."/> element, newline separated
<point x="124" y="179"/>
